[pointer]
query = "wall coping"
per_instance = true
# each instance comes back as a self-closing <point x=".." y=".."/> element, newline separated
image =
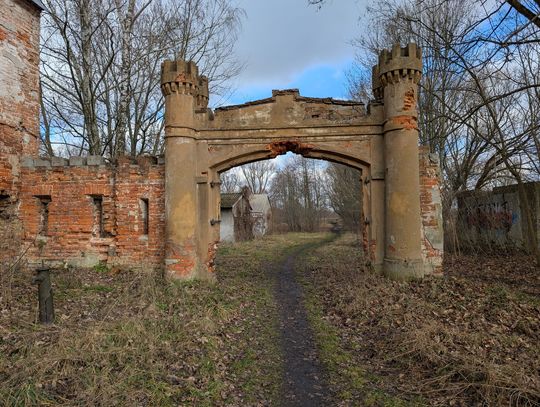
<point x="90" y="161"/>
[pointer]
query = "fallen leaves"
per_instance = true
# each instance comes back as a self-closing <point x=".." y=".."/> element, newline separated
<point x="128" y="338"/>
<point x="470" y="337"/>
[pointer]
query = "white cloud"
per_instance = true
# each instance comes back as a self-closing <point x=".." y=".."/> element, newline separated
<point x="283" y="38"/>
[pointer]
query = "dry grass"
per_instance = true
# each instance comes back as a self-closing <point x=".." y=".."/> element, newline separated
<point x="469" y="338"/>
<point x="131" y="338"/>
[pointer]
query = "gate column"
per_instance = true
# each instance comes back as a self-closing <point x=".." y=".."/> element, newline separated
<point x="185" y="214"/>
<point x="399" y="74"/>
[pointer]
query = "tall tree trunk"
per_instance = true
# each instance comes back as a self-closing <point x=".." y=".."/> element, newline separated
<point x="125" y="73"/>
<point x="46" y="138"/>
<point x="87" y="96"/>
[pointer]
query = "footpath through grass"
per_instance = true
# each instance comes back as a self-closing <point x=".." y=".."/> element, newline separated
<point x="131" y="338"/>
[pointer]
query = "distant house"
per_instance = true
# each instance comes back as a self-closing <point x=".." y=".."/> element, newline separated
<point x="244" y="216"/>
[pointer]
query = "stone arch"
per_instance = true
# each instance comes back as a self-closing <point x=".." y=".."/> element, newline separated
<point x="383" y="139"/>
<point x="277" y="148"/>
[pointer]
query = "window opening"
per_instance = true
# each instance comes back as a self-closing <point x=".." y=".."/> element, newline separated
<point x="97" y="229"/>
<point x="4" y="206"/>
<point x="44" y="201"/>
<point x="145" y="209"/>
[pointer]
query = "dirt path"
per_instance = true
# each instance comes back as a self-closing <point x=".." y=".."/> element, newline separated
<point x="304" y="383"/>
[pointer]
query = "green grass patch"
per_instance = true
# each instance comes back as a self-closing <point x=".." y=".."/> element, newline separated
<point x="101" y="268"/>
<point x="98" y="288"/>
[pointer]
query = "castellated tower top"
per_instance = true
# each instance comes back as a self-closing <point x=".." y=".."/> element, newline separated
<point x="183" y="77"/>
<point x="397" y="64"/>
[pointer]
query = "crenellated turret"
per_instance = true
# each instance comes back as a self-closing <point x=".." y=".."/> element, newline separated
<point x="395" y="84"/>
<point x="183" y="77"/>
<point x="396" y="65"/>
<point x="186" y="192"/>
<point x="179" y="77"/>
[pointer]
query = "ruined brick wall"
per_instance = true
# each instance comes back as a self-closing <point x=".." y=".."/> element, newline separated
<point x="19" y="111"/>
<point x="85" y="212"/>
<point x="431" y="212"/>
<point x="82" y="211"/>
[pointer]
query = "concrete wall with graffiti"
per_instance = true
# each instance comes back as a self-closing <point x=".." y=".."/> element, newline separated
<point x="493" y="219"/>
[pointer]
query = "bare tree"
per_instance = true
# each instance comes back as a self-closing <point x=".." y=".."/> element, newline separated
<point x="286" y="197"/>
<point x="530" y="10"/>
<point x="230" y="182"/>
<point x="101" y="67"/>
<point x="258" y="174"/>
<point x="297" y="190"/>
<point x="477" y="108"/>
<point x="344" y="190"/>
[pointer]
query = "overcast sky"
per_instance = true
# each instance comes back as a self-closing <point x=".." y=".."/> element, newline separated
<point x="288" y="44"/>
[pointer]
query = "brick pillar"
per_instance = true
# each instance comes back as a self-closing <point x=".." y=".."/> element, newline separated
<point x="399" y="73"/>
<point x="431" y="212"/>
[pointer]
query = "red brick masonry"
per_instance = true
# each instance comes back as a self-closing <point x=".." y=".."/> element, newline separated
<point x="19" y="111"/>
<point x="431" y="212"/>
<point x="96" y="211"/>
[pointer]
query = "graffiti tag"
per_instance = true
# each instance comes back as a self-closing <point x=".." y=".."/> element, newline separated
<point x="491" y="216"/>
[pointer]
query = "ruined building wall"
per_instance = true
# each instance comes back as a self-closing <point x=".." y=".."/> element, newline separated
<point x="19" y="111"/>
<point x="85" y="212"/>
<point x="82" y="212"/>
<point x="493" y="220"/>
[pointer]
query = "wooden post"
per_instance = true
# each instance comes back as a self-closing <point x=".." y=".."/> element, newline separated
<point x="45" y="295"/>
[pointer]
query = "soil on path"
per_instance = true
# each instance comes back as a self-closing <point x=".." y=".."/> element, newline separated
<point x="304" y="376"/>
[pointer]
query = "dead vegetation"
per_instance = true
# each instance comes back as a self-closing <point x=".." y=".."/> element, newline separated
<point x="469" y="338"/>
<point x="130" y="338"/>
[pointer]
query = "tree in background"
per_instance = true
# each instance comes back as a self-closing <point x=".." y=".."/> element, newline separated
<point x="297" y="191"/>
<point x="100" y="70"/>
<point x="303" y="191"/>
<point x="479" y="93"/>
<point x="344" y="191"/>
<point x="257" y="175"/>
<point x="230" y="182"/>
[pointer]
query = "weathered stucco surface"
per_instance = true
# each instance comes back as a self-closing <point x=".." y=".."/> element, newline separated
<point x="381" y="141"/>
